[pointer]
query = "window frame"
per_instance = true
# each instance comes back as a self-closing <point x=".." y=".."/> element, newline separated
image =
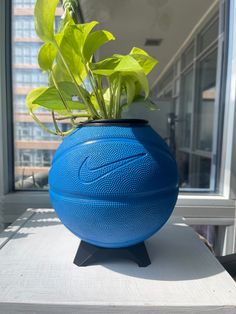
<point x="196" y="208"/>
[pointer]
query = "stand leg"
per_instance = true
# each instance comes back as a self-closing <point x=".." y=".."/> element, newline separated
<point x="85" y="254"/>
<point x="88" y="254"/>
<point x="138" y="253"/>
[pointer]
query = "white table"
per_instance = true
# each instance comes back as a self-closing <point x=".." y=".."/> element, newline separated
<point x="37" y="274"/>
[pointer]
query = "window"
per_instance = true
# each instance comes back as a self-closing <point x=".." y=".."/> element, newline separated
<point x="24" y="158"/>
<point x="23" y="27"/>
<point x="34" y="148"/>
<point x="196" y="40"/>
<point x="187" y="56"/>
<point x="186" y="110"/>
<point x="25" y="53"/>
<point x="24" y="3"/>
<point x="208" y="35"/>
<point x="185" y="84"/>
<point x="196" y="119"/>
<point x="19" y="102"/>
<point x="206" y="99"/>
<point x="27" y="77"/>
<point x="23" y="131"/>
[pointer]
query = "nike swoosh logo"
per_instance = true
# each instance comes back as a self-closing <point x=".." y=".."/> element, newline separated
<point x="89" y="175"/>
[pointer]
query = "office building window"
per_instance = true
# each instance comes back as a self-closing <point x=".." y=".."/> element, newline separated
<point x="19" y="102"/>
<point x="27" y="77"/>
<point x="37" y="158"/>
<point x="24" y="3"/>
<point x="23" y="27"/>
<point x="26" y="54"/>
<point x="24" y="158"/>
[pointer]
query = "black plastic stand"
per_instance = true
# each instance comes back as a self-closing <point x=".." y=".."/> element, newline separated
<point x="89" y="254"/>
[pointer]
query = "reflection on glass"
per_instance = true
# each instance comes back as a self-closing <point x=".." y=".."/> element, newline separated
<point x="209" y="34"/>
<point x="194" y="96"/>
<point x="200" y="173"/>
<point x="183" y="165"/>
<point x="188" y="56"/>
<point x="168" y="77"/>
<point x="205" y="116"/>
<point x="186" y="109"/>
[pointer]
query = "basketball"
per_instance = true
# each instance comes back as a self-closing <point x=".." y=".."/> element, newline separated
<point x="113" y="185"/>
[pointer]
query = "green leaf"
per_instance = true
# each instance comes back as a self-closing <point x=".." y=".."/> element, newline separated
<point x="65" y="19"/>
<point x="138" y="88"/>
<point x="129" y="84"/>
<point x="143" y="81"/>
<point x="80" y="33"/>
<point x="59" y="73"/>
<point x="93" y="100"/>
<point x="105" y="67"/>
<point x="69" y="90"/>
<point x="124" y="66"/>
<point x="71" y="56"/>
<point x="144" y="60"/>
<point x="50" y="99"/>
<point x="48" y="52"/>
<point x="31" y="97"/>
<point x="94" y="41"/>
<point x="44" y="19"/>
<point x="86" y="28"/>
<point x="46" y="56"/>
<point x="107" y="95"/>
<point x="129" y="66"/>
<point x="139" y="51"/>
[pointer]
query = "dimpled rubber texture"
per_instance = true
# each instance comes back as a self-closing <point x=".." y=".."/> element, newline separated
<point x="113" y="186"/>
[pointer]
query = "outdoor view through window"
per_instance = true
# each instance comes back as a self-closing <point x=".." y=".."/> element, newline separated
<point x="185" y="36"/>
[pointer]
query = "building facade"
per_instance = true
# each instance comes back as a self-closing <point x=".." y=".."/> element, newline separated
<point x="34" y="149"/>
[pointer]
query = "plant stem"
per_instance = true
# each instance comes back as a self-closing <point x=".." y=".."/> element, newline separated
<point x="91" y="81"/>
<point x="62" y="97"/>
<point x="46" y="129"/>
<point x="55" y="123"/>
<point x="111" y="98"/>
<point x="89" y="105"/>
<point x="74" y="116"/>
<point x="117" y="103"/>
<point x="60" y="93"/>
<point x="98" y="83"/>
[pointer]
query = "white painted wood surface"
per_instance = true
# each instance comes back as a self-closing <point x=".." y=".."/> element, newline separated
<point x="37" y="274"/>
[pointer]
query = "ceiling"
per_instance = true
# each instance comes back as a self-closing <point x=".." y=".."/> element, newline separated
<point x="134" y="21"/>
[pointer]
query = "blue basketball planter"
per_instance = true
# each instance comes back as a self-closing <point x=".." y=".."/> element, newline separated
<point x="113" y="183"/>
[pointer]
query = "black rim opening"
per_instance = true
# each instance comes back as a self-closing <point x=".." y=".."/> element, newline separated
<point x="117" y="122"/>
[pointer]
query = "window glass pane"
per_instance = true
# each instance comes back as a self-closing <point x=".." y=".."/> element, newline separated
<point x="183" y="164"/>
<point x="201" y="166"/>
<point x="34" y="149"/>
<point x="209" y="34"/>
<point x="186" y="110"/>
<point x="167" y="79"/>
<point x="206" y="102"/>
<point x="194" y="114"/>
<point x="183" y="84"/>
<point x="188" y="56"/>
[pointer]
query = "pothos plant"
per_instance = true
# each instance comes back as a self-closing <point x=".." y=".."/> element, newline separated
<point x="68" y="57"/>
